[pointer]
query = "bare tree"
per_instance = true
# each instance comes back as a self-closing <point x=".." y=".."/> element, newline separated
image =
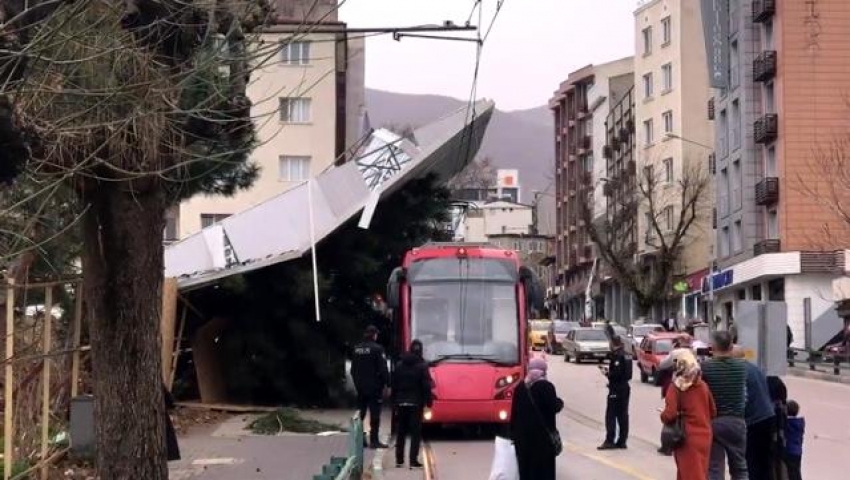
<point x="671" y="212"/>
<point x="827" y="183"/>
<point x="480" y="174"/>
<point x="132" y="105"/>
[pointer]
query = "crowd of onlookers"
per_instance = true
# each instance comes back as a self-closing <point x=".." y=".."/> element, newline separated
<point x="725" y="410"/>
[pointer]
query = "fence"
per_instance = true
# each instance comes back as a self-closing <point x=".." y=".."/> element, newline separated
<point x="42" y="358"/>
<point x="819" y="361"/>
<point x="350" y="467"/>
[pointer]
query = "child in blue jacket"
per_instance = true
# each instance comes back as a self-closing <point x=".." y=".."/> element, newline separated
<point x="795" y="429"/>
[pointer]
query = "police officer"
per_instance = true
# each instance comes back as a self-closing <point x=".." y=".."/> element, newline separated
<point x="617" y="410"/>
<point x="369" y="372"/>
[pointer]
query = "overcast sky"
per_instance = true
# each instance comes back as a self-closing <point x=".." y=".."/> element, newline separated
<point x="533" y="46"/>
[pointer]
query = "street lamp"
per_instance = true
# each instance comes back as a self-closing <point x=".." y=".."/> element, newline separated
<point x="688" y="140"/>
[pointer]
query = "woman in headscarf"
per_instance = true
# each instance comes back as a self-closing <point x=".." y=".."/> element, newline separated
<point x="690" y="397"/>
<point x="533" y="413"/>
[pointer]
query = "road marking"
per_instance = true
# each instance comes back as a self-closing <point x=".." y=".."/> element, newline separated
<point x="216" y="461"/>
<point x="607" y="462"/>
<point x="428" y="461"/>
<point x="590" y="422"/>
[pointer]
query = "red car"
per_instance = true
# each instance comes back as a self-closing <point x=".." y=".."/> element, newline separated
<point x="653" y="349"/>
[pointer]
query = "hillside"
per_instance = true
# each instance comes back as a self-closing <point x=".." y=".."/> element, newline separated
<point x="519" y="139"/>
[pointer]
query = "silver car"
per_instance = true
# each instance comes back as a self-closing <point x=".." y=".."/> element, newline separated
<point x="636" y="333"/>
<point x="586" y="344"/>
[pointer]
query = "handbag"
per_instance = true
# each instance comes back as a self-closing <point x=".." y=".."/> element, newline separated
<point x="673" y="434"/>
<point x="505" y="465"/>
<point x="554" y="437"/>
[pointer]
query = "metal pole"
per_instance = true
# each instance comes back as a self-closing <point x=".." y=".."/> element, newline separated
<point x="313" y="249"/>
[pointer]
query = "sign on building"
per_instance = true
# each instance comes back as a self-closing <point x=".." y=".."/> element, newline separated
<point x="715" y="21"/>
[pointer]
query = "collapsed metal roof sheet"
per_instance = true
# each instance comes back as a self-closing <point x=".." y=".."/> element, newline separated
<point x="278" y="230"/>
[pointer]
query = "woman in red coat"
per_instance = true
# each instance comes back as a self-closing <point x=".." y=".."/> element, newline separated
<point x="690" y="396"/>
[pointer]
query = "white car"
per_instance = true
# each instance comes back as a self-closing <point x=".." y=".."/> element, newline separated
<point x="637" y="332"/>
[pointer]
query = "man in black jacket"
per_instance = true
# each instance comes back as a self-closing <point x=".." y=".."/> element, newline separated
<point x="369" y="373"/>
<point x="617" y="410"/>
<point x="411" y="392"/>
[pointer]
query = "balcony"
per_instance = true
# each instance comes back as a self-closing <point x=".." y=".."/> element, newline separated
<point x="607" y="152"/>
<point x="712" y="163"/>
<point x="714" y="218"/>
<point x="767" y="246"/>
<point x="766" y="128"/>
<point x="711" y="108"/>
<point x="764" y="66"/>
<point x="767" y="191"/>
<point x="763" y="10"/>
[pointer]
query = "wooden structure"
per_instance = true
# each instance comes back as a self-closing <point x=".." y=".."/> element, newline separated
<point x="31" y="358"/>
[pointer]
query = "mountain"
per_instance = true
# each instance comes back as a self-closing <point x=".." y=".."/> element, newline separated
<point x="521" y="139"/>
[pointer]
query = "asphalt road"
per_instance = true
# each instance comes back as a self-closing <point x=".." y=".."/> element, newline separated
<point x="826" y="407"/>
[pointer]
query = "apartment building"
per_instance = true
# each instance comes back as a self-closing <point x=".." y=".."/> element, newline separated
<point x="580" y="106"/>
<point x="780" y="82"/>
<point x="308" y="101"/>
<point x="484" y="220"/>
<point x="618" y="190"/>
<point x="674" y="136"/>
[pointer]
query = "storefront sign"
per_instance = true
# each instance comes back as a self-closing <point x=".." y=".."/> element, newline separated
<point x="717" y="281"/>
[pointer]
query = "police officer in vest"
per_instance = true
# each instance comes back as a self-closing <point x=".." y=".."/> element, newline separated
<point x="617" y="410"/>
<point x="369" y="372"/>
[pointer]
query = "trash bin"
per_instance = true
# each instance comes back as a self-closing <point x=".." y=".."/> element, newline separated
<point x="82" y="427"/>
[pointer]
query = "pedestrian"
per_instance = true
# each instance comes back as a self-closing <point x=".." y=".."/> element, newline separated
<point x="533" y="411"/>
<point x="690" y="398"/>
<point x="779" y="397"/>
<point x="619" y="391"/>
<point x="369" y="372"/>
<point x="795" y="430"/>
<point x="761" y="425"/>
<point x="666" y="371"/>
<point x="172" y="448"/>
<point x="411" y="393"/>
<point x="726" y="377"/>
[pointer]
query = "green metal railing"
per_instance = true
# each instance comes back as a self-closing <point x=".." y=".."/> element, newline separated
<point x="350" y="467"/>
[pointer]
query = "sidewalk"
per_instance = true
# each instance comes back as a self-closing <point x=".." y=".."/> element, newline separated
<point x="820" y="374"/>
<point x="229" y="451"/>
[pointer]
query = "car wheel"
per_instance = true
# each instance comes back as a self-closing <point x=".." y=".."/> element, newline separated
<point x="643" y="377"/>
<point x="656" y="379"/>
<point x="566" y="358"/>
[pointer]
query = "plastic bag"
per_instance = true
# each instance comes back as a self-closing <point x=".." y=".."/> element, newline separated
<point x="505" y="465"/>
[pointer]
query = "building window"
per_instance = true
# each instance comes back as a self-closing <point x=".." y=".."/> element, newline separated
<point x="169" y="233"/>
<point x="647" y="85"/>
<point x="293" y="168"/>
<point x="723" y="196"/>
<point x="772" y="226"/>
<point x="668" y="218"/>
<point x="668" y="121"/>
<point x="723" y="135"/>
<point x="667" y="77"/>
<point x="724" y="242"/>
<point x="767" y="35"/>
<point x="734" y="65"/>
<point x="737" y="196"/>
<point x="736" y="125"/>
<point x="769" y="98"/>
<point x="210" y="219"/>
<point x="666" y="31"/>
<point x="647" y="41"/>
<point x="737" y="237"/>
<point x="668" y="170"/>
<point x="295" y="110"/>
<point x="650" y="228"/>
<point x="756" y="292"/>
<point x="648" y="135"/>
<point x="770" y="162"/>
<point x="295" y="53"/>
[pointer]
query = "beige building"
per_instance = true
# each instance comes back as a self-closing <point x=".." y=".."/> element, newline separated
<point x="308" y="102"/>
<point x="673" y="131"/>
<point x="486" y="219"/>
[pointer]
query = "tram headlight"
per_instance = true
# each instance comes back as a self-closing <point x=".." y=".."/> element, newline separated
<point x="506" y="381"/>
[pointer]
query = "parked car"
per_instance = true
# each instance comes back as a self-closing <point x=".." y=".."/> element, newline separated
<point x="557" y="334"/>
<point x="652" y="350"/>
<point x="635" y="334"/>
<point x="538" y="334"/>
<point x="586" y="344"/>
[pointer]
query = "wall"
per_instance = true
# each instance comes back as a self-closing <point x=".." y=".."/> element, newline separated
<point x="825" y="321"/>
<point x="497" y="218"/>
<point x="315" y="139"/>
<point x="813" y="83"/>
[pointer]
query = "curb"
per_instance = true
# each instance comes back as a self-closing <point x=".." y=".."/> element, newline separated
<point x="429" y="463"/>
<point x="816" y="375"/>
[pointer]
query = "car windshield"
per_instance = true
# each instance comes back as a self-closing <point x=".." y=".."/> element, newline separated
<point x="540" y="325"/>
<point x="663" y="346"/>
<point x="591" y="336"/>
<point x="564" y="327"/>
<point x="644" y="330"/>
<point x="465" y="320"/>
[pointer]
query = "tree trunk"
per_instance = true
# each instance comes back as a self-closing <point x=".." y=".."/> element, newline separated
<point x="123" y="271"/>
